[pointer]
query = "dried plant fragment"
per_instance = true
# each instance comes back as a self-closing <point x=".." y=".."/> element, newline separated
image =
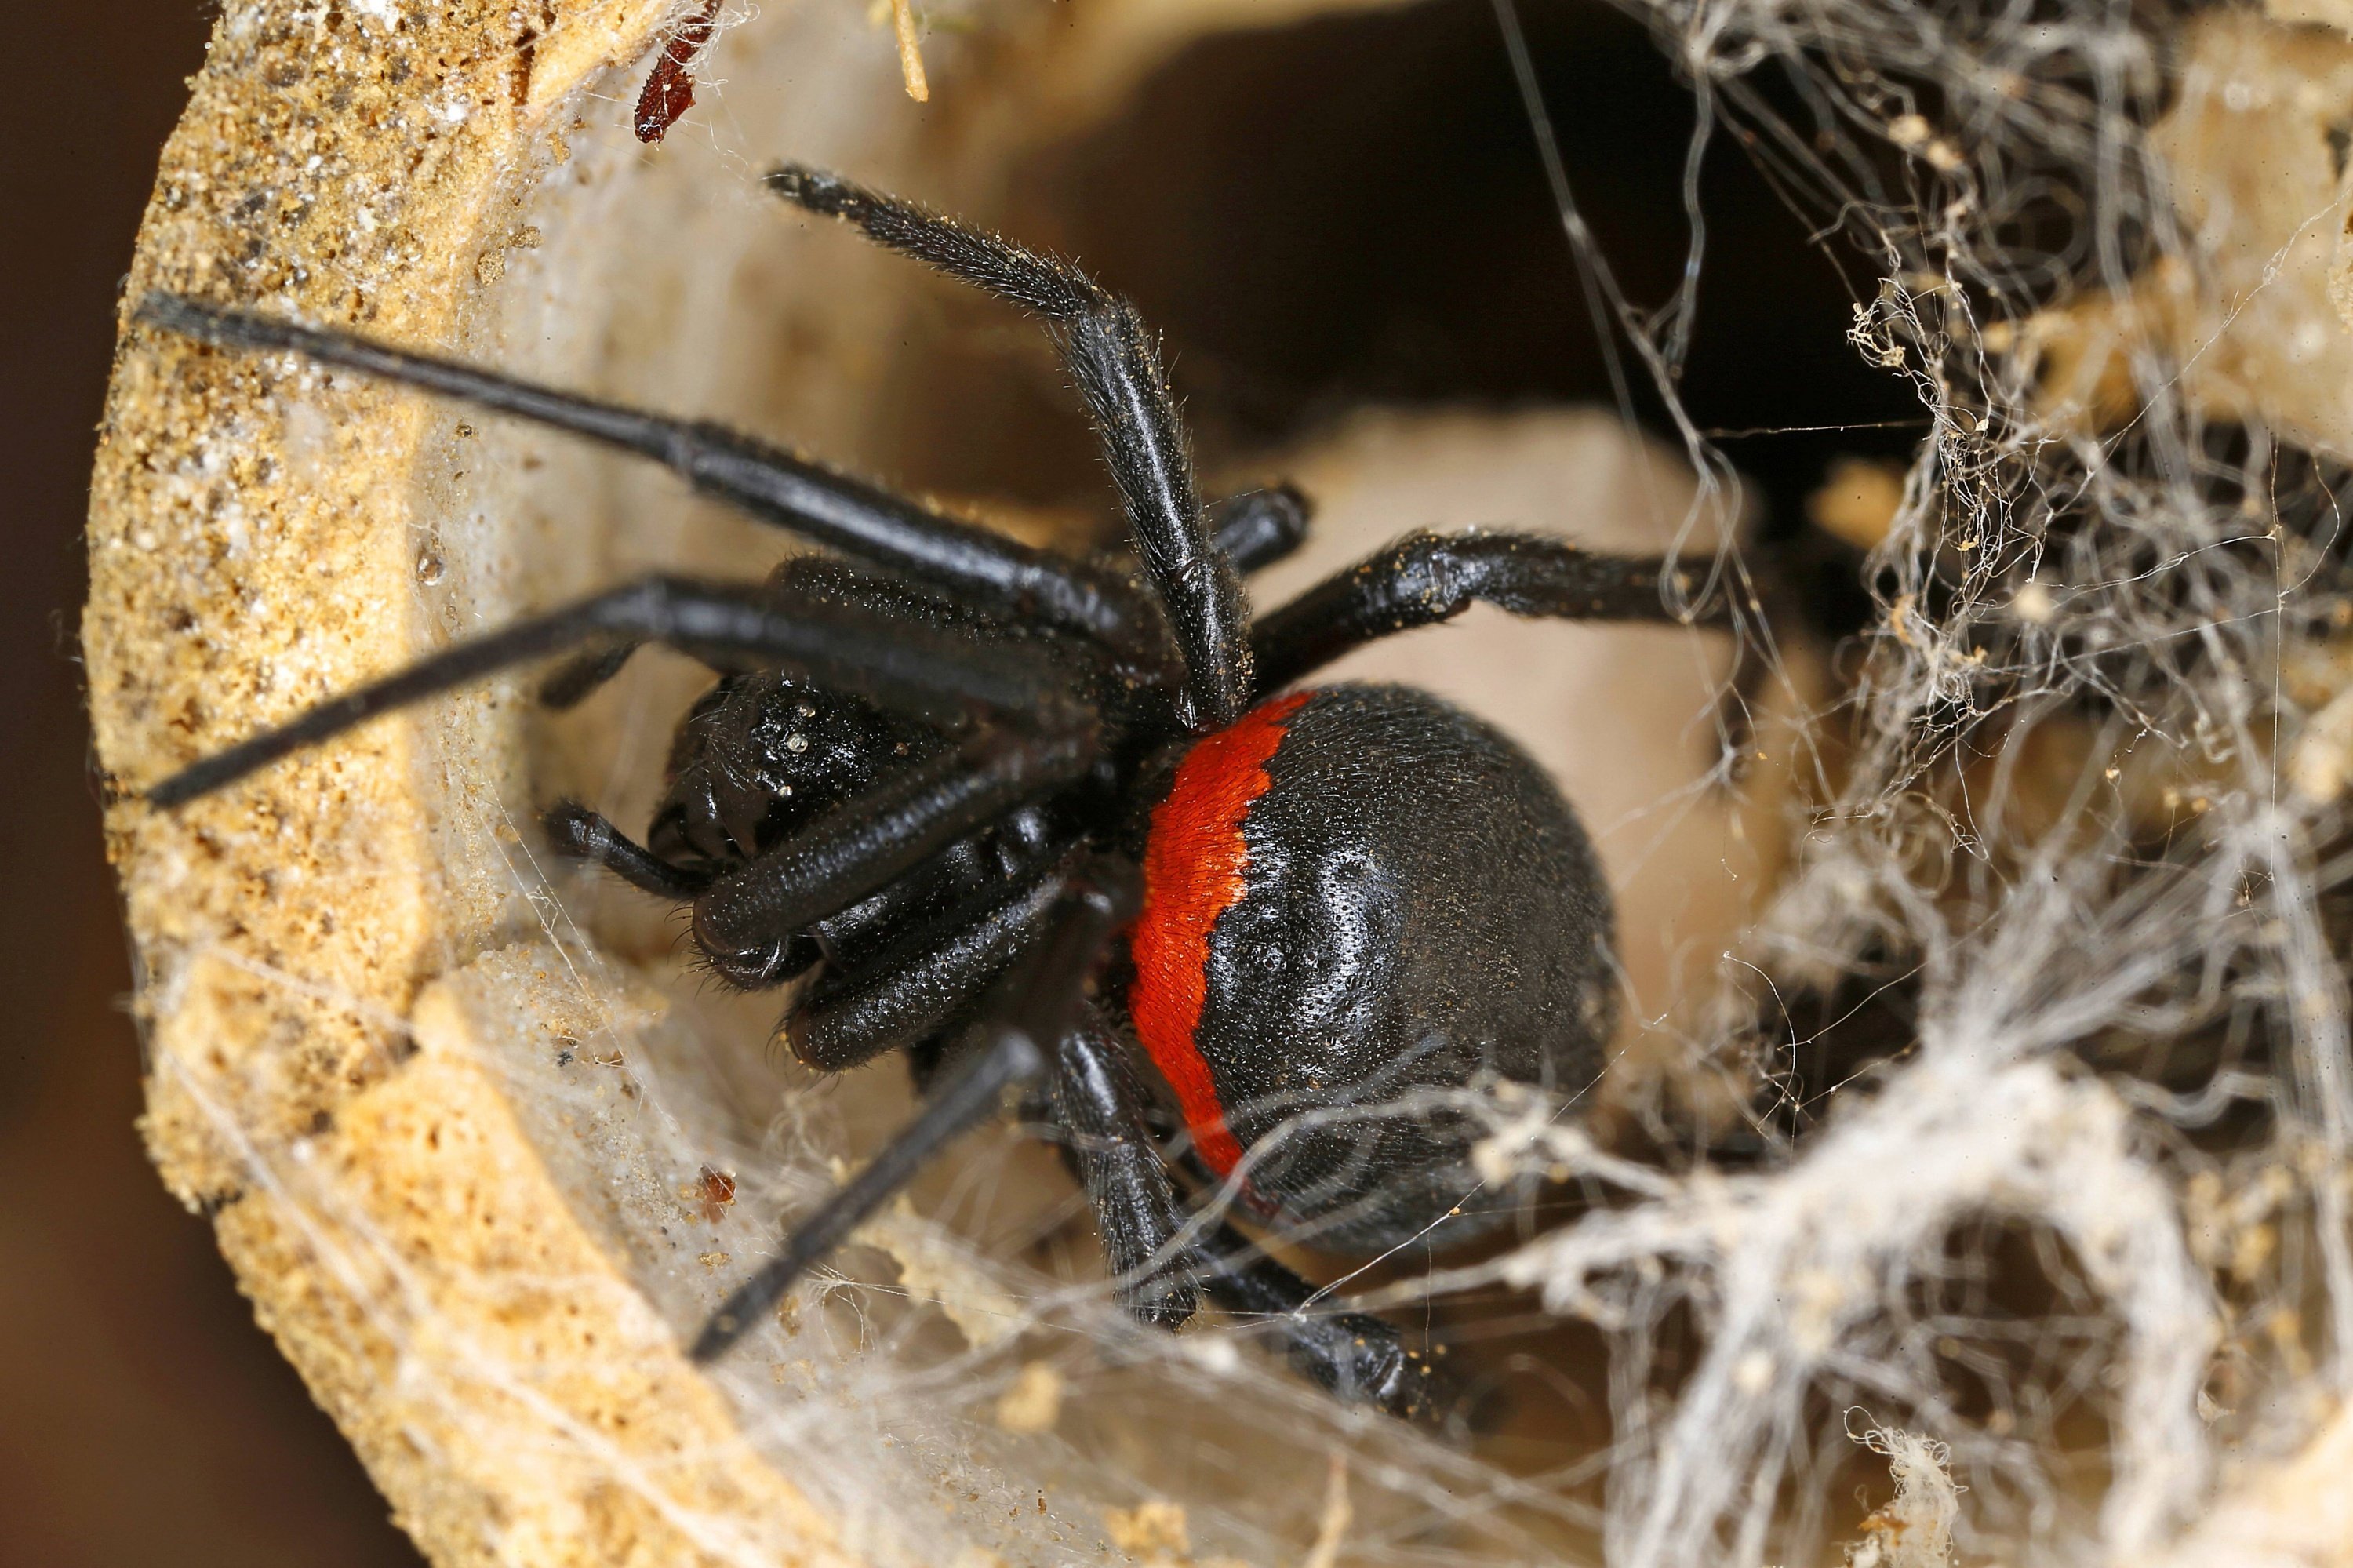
<point x="669" y="91"/>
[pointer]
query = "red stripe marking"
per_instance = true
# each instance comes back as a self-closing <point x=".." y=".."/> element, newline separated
<point x="1193" y="865"/>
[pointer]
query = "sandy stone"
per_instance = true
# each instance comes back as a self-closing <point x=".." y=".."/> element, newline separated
<point x="349" y="164"/>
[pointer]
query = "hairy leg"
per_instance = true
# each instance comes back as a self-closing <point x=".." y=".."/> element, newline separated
<point x="1116" y="363"/>
<point x="1360" y="1358"/>
<point x="920" y="984"/>
<point x="925" y="672"/>
<point x="1259" y="527"/>
<point x="1012" y="1045"/>
<point x="1097" y="1107"/>
<point x="1426" y="577"/>
<point x="746" y="919"/>
<point x="1005" y="579"/>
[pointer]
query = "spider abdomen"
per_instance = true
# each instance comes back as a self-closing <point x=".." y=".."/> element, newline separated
<point x="1359" y="900"/>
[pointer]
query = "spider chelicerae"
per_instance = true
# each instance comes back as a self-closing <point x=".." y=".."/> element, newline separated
<point x="1032" y="819"/>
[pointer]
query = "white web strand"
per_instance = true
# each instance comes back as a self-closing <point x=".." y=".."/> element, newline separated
<point x="1788" y="1266"/>
<point x="2032" y="940"/>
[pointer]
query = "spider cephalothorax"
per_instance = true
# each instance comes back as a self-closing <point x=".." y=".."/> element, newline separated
<point x="1027" y="817"/>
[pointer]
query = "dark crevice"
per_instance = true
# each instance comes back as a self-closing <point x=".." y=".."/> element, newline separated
<point x="1352" y="210"/>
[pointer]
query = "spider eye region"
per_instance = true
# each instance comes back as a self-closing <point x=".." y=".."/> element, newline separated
<point x="1359" y="901"/>
<point x="761" y="755"/>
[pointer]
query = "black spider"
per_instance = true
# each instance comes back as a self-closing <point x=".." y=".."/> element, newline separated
<point x="1017" y="813"/>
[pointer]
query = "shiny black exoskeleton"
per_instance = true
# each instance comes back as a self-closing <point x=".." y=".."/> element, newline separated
<point x="1420" y="913"/>
<point x="942" y="775"/>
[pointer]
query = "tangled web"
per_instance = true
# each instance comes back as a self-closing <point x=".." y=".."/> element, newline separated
<point x="2050" y="1010"/>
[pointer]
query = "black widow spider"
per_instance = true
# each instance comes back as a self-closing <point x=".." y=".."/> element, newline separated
<point x="1017" y="813"/>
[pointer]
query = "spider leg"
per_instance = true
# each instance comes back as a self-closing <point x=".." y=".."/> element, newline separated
<point x="917" y="986"/>
<point x="1360" y="1358"/>
<point x="805" y="579"/>
<point x="1001" y="577"/>
<point x="1112" y="358"/>
<point x="854" y="936"/>
<point x="925" y="672"/>
<point x="747" y="918"/>
<point x="1013" y="850"/>
<point x="1097" y="1112"/>
<point x="577" y="679"/>
<point x="574" y="831"/>
<point x="1029" y="1010"/>
<point x="1426" y="577"/>
<point x="1260" y="527"/>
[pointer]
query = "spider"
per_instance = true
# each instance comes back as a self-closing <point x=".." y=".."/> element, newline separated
<point x="1030" y="818"/>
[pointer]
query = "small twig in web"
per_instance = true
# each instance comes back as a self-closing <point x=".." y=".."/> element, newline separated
<point x="1339" y="1514"/>
<point x="911" y="54"/>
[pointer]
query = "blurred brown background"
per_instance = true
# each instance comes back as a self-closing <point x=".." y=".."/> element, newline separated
<point x="143" y="1416"/>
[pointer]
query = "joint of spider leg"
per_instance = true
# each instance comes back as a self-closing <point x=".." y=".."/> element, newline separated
<point x="854" y="850"/>
<point x="763" y="970"/>
<point x="1110" y="354"/>
<point x="1038" y="1000"/>
<point x="1112" y="884"/>
<point x="820" y="190"/>
<point x="822" y="504"/>
<point x="1046" y="284"/>
<point x="911" y="989"/>
<point x="577" y="832"/>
